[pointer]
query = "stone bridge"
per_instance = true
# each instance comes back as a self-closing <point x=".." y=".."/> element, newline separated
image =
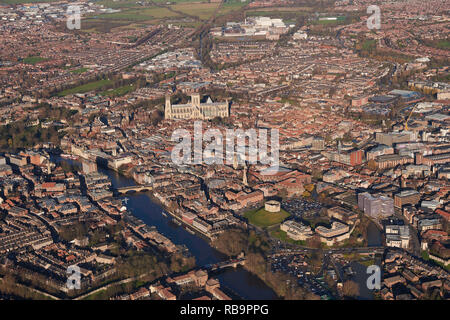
<point x="137" y="188"/>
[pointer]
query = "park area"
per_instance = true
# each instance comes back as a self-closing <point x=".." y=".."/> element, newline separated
<point x="263" y="218"/>
<point x="95" y="85"/>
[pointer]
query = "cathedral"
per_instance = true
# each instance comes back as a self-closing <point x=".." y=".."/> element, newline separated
<point x="195" y="109"/>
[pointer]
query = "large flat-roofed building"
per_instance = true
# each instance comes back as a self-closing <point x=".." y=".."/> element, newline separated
<point x="117" y="161"/>
<point x="338" y="232"/>
<point x="196" y="109"/>
<point x="406" y="197"/>
<point x="397" y="236"/>
<point x="202" y="225"/>
<point x="296" y="230"/>
<point x="379" y="151"/>
<point x="318" y="143"/>
<point x="342" y="214"/>
<point x="433" y="159"/>
<point x="429" y="224"/>
<point x="392" y="138"/>
<point x="375" y="206"/>
<point x="17" y="160"/>
<point x="336" y="229"/>
<point x="351" y="157"/>
<point x="392" y="160"/>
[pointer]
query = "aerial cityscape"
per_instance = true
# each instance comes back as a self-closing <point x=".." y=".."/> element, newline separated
<point x="224" y="150"/>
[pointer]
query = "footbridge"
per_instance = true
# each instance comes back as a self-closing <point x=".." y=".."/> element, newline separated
<point x="225" y="264"/>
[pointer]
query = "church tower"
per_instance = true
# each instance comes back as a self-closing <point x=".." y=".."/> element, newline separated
<point x="168" y="108"/>
<point x="195" y="99"/>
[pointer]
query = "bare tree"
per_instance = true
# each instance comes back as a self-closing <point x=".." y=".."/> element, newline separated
<point x="350" y="289"/>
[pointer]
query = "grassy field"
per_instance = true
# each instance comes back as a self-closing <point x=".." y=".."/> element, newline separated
<point x="339" y="20"/>
<point x="133" y="3"/>
<point x="98" y="25"/>
<point x="282" y="12"/>
<point x="279" y="234"/>
<point x="118" y="91"/>
<point x="202" y="10"/>
<point x="118" y="4"/>
<point x="33" y="60"/>
<point x="133" y="14"/>
<point x="234" y="4"/>
<point x="443" y="44"/>
<point x="85" y="87"/>
<point x="263" y="218"/>
<point x="79" y="70"/>
<point x="369" y="44"/>
<point x="136" y="14"/>
<point x="100" y="295"/>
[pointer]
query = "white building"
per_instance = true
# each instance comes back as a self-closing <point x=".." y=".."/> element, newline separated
<point x="397" y="236"/>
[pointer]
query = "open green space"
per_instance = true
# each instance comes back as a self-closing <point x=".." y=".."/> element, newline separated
<point x="90" y="25"/>
<point x="177" y="12"/>
<point x="131" y="15"/>
<point x="139" y="14"/>
<point x="369" y="44"/>
<point x="118" y="91"/>
<point x="118" y="4"/>
<point x="280" y="12"/>
<point x="235" y="3"/>
<point x="263" y="218"/>
<point x="281" y="235"/>
<point x="99" y="295"/>
<point x="134" y="3"/>
<point x="79" y="70"/>
<point x="338" y="20"/>
<point x="33" y="59"/>
<point x="203" y="11"/>
<point x="443" y="44"/>
<point x="86" y="87"/>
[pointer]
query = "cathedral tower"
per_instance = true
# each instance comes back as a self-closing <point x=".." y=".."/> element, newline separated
<point x="168" y="108"/>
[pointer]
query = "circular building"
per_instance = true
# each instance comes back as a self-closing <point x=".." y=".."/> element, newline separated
<point x="272" y="206"/>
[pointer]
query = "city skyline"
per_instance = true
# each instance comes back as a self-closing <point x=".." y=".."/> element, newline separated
<point x="224" y="150"/>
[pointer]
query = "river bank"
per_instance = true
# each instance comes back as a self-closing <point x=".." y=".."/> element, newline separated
<point x="143" y="206"/>
<point x="243" y="281"/>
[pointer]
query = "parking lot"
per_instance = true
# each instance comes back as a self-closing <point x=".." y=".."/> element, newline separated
<point x="301" y="208"/>
<point x="297" y="266"/>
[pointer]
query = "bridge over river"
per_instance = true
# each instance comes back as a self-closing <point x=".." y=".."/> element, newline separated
<point x="224" y="264"/>
<point x="136" y="188"/>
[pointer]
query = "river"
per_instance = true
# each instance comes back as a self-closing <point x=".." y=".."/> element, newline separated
<point x="373" y="235"/>
<point x="237" y="281"/>
<point x="360" y="276"/>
